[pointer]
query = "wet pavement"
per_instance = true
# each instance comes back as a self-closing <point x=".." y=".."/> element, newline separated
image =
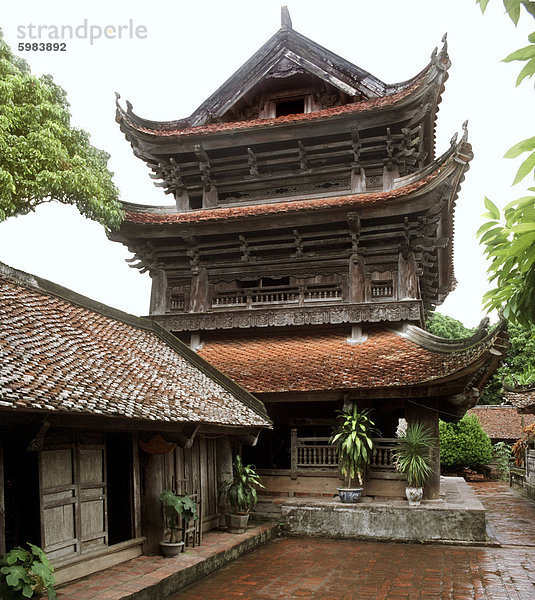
<point x="294" y="568"/>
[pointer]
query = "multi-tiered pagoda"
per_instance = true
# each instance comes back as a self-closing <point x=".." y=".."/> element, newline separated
<point x="312" y="233"/>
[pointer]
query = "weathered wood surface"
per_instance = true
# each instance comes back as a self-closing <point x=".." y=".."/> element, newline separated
<point x="73" y="495"/>
<point x="2" y="502"/>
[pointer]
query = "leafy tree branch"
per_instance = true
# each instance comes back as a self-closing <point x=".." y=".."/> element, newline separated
<point x="44" y="158"/>
<point x="508" y="239"/>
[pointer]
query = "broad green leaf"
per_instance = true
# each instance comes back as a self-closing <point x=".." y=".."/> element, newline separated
<point x="523" y="146"/>
<point x="492" y="208"/>
<point x="492" y="233"/>
<point x="483" y="4"/>
<point x="523" y="228"/>
<point x="486" y="226"/>
<point x="525" y="168"/>
<point x="527" y="71"/>
<point x="521" y="243"/>
<point x="522" y="202"/>
<point x="513" y="9"/>
<point x="521" y="54"/>
<point x="531" y="36"/>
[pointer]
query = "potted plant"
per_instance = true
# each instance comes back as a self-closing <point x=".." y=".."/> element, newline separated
<point x="26" y="574"/>
<point x="240" y="494"/>
<point x="175" y="506"/>
<point x="353" y="439"/>
<point x="413" y="459"/>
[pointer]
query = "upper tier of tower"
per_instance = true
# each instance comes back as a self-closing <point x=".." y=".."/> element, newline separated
<point x="296" y="120"/>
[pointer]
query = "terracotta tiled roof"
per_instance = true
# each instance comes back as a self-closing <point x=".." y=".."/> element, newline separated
<point x="58" y="355"/>
<point x="502" y="422"/>
<point x="319" y="361"/>
<point x="522" y="398"/>
<point x="235" y="212"/>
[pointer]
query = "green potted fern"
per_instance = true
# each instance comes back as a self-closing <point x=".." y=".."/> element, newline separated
<point x="26" y="574"/>
<point x="353" y="440"/>
<point x="240" y="494"/>
<point x="413" y="459"/>
<point x="175" y="506"/>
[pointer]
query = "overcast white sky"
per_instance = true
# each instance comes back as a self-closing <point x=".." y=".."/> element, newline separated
<point x="192" y="47"/>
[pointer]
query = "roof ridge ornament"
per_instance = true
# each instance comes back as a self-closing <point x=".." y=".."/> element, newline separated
<point x="465" y="131"/>
<point x="444" y="40"/>
<point x="286" y="20"/>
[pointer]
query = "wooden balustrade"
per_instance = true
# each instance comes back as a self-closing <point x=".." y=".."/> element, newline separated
<point x="383" y="454"/>
<point x="309" y="453"/>
<point x="277" y="295"/>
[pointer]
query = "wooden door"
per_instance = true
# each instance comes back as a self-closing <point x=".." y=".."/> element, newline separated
<point x="72" y="495"/>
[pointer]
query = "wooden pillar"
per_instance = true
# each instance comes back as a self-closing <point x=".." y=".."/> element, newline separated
<point x="293" y="453"/>
<point x="182" y="200"/>
<point x="428" y="416"/>
<point x="136" y="485"/>
<point x="358" y="181"/>
<point x="2" y="503"/>
<point x="388" y="177"/>
<point x="158" y="294"/>
<point x="151" y="509"/>
<point x="210" y="197"/>
<point x="357" y="279"/>
<point x="199" y="291"/>
<point x="223" y="468"/>
<point x="407" y="282"/>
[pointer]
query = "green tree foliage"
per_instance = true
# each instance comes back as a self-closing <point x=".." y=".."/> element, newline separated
<point x="509" y="238"/>
<point x="518" y="367"/>
<point x="464" y="444"/>
<point x="447" y="327"/>
<point x="43" y="158"/>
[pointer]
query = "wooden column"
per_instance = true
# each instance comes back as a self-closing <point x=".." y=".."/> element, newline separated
<point x="136" y="487"/>
<point x="428" y="416"/>
<point x="199" y="291"/>
<point x="388" y="177"/>
<point x="357" y="279"/>
<point x="293" y="453"/>
<point x="358" y="181"/>
<point x="223" y="468"/>
<point x="151" y="509"/>
<point x="407" y="281"/>
<point x="2" y="503"/>
<point x="158" y="294"/>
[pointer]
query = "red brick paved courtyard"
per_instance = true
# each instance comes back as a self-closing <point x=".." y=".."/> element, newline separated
<point x="288" y="569"/>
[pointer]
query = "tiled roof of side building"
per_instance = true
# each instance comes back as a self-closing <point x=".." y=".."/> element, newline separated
<point x="502" y="422"/>
<point x="62" y="352"/>
<point x="521" y="397"/>
<point x="326" y="361"/>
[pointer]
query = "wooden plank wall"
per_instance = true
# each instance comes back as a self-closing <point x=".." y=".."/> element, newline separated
<point x="2" y="503"/>
<point x="185" y="470"/>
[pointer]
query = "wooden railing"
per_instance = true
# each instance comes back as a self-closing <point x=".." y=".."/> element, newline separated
<point x="284" y="294"/>
<point x="383" y="454"/>
<point x="315" y="453"/>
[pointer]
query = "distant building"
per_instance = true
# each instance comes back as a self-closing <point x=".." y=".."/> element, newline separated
<point x="502" y="423"/>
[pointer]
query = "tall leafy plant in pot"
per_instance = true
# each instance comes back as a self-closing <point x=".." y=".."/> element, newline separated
<point x="353" y="440"/>
<point x="175" y="506"/>
<point x="240" y="493"/>
<point x="413" y="459"/>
